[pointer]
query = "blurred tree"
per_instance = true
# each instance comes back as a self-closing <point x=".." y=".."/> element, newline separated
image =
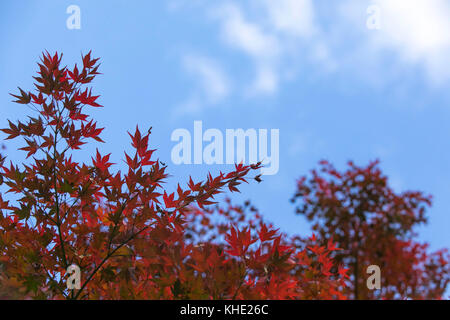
<point x="375" y="226"/>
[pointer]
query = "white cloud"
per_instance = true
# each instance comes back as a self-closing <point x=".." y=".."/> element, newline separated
<point x="245" y="35"/>
<point x="284" y="36"/>
<point x="419" y="31"/>
<point x="268" y="37"/>
<point x="212" y="83"/>
<point x="419" y="28"/>
<point x="210" y="76"/>
<point x="412" y="34"/>
<point x="266" y="81"/>
<point x="295" y="17"/>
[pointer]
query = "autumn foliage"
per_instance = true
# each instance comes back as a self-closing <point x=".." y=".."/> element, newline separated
<point x="375" y="226"/>
<point x="131" y="237"/>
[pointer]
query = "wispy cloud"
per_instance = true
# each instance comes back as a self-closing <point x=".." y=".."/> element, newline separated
<point x="210" y="76"/>
<point x="293" y="17"/>
<point x="245" y="35"/>
<point x="212" y="83"/>
<point x="249" y="37"/>
<point x="268" y="37"/>
<point x="285" y="36"/>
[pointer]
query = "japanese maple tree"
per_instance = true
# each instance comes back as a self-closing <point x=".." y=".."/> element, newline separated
<point x="375" y="226"/>
<point x="129" y="235"/>
<point x="269" y="259"/>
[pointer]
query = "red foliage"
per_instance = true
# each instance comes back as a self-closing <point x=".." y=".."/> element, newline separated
<point x="374" y="225"/>
<point x="126" y="232"/>
<point x="271" y="260"/>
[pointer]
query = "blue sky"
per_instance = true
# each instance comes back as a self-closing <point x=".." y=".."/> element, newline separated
<point x="335" y="89"/>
